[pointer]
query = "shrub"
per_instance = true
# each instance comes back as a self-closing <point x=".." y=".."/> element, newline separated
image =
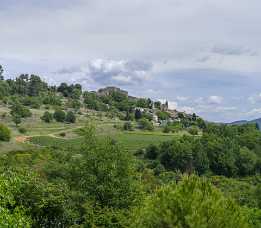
<point x="63" y="134"/>
<point x="167" y="129"/>
<point x="163" y="115"/>
<point x="5" y="133"/>
<point x="127" y="126"/>
<point x="18" y="109"/>
<point x="145" y="125"/>
<point x="47" y="117"/>
<point x="22" y="130"/>
<point x="70" y="117"/>
<point x="193" y="131"/>
<point x="59" y="116"/>
<point x="152" y="152"/>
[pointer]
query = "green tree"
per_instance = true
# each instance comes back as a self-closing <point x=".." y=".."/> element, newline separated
<point x="106" y="175"/>
<point x="16" y="119"/>
<point x="145" y="124"/>
<point x="152" y="152"/>
<point x="47" y="117"/>
<point x="138" y="114"/>
<point x="1" y="73"/>
<point x="59" y="115"/>
<point x="5" y="133"/>
<point x="246" y="161"/>
<point x="193" y="202"/>
<point x="177" y="155"/>
<point x="11" y="214"/>
<point x="70" y="117"/>
<point x="17" y="109"/>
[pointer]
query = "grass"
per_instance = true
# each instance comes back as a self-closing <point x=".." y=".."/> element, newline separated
<point x="6" y="147"/>
<point x="128" y="141"/>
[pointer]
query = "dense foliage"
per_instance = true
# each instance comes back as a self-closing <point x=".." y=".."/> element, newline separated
<point x="222" y="150"/>
<point x="190" y="203"/>
<point x="5" y="133"/>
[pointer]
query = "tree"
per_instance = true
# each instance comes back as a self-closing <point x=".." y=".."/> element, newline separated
<point x="157" y="104"/>
<point x="246" y="161"/>
<point x="70" y="117"/>
<point x="177" y="155"/>
<point x="16" y="119"/>
<point x="138" y="114"/>
<point x="36" y="85"/>
<point x="145" y="124"/>
<point x="106" y="175"/>
<point x="59" y="115"/>
<point x="17" y="109"/>
<point x="47" y="117"/>
<point x="11" y="215"/>
<point x="1" y="73"/>
<point x="163" y="115"/>
<point x="5" y="133"/>
<point x="152" y="152"/>
<point x="193" y="202"/>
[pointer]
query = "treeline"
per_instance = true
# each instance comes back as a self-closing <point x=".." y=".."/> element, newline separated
<point x="222" y="150"/>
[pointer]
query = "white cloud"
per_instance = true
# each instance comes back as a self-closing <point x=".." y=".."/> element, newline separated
<point x="215" y="99"/>
<point x="253" y="112"/>
<point x="182" y="98"/>
<point x="255" y="99"/>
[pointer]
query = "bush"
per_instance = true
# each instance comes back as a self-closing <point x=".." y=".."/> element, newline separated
<point x="163" y="115"/>
<point x="70" y="117"/>
<point x="152" y="152"/>
<point x="145" y="125"/>
<point x="193" y="131"/>
<point x="63" y="134"/>
<point x="47" y="117"/>
<point x="22" y="130"/>
<point x="167" y="129"/>
<point x="59" y="116"/>
<point x="20" y="110"/>
<point x="127" y="126"/>
<point x="5" y="133"/>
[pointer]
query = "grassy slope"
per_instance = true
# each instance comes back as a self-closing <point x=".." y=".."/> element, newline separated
<point x="128" y="141"/>
<point x="48" y="134"/>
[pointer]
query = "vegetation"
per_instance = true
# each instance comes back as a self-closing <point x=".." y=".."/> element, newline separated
<point x="170" y="206"/>
<point x="5" y="133"/>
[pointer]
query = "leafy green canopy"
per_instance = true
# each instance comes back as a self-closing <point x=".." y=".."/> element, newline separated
<point x="192" y="203"/>
<point x="11" y="215"/>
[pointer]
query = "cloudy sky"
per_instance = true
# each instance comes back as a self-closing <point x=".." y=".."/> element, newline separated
<point x="202" y="56"/>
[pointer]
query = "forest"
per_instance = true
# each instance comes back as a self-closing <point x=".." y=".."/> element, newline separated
<point x="76" y="158"/>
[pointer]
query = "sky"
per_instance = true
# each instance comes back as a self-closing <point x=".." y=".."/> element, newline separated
<point x="202" y="56"/>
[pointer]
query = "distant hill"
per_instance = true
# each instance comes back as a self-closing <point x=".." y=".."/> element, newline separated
<point x="241" y="122"/>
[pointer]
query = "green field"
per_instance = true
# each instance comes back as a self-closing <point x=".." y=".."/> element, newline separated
<point x="128" y="141"/>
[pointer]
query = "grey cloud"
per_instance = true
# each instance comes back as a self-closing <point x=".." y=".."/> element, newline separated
<point x="233" y="50"/>
<point x="110" y="72"/>
<point x="69" y="70"/>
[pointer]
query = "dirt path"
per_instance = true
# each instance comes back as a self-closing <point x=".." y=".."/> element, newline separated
<point x="22" y="139"/>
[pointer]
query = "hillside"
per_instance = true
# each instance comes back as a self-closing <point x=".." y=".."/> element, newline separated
<point x="241" y="122"/>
